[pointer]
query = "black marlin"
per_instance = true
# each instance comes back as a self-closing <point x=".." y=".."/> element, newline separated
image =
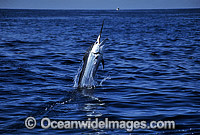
<point x="91" y="61"/>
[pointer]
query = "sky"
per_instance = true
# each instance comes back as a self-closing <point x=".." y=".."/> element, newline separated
<point x="99" y="4"/>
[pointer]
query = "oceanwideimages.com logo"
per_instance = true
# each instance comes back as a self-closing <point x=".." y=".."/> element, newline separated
<point x="47" y="123"/>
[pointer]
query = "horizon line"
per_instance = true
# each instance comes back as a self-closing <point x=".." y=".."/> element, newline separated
<point x="99" y="9"/>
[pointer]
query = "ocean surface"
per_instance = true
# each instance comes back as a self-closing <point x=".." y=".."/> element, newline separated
<point x="152" y="68"/>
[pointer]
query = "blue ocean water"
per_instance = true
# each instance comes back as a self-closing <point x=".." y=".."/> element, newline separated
<point x="152" y="68"/>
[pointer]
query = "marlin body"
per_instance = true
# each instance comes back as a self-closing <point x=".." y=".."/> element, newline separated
<point x="91" y="61"/>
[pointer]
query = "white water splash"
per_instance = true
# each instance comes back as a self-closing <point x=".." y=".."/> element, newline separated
<point x="106" y="78"/>
<point x="77" y="76"/>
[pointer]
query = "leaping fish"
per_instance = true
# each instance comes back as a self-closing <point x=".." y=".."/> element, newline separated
<point x="91" y="61"/>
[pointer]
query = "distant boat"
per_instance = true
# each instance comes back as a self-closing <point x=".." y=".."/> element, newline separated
<point x="117" y="9"/>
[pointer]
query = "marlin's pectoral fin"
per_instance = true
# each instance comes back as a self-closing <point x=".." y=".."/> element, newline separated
<point x="102" y="63"/>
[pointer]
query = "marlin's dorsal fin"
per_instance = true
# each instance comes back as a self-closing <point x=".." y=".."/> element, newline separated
<point x="102" y="62"/>
<point x="99" y="37"/>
